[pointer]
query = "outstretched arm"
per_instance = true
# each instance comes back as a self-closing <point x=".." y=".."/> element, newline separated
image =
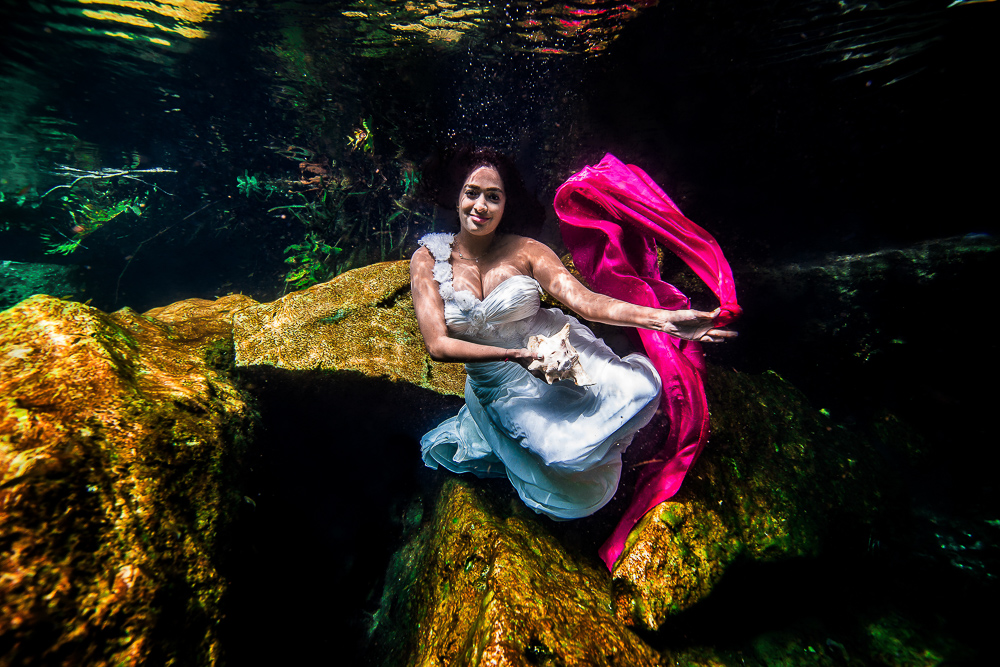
<point x="429" y="307"/>
<point x="561" y="284"/>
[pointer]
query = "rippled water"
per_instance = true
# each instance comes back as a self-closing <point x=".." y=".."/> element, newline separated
<point x="792" y="105"/>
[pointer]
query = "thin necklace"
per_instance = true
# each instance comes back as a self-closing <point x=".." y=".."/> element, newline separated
<point x="476" y="259"/>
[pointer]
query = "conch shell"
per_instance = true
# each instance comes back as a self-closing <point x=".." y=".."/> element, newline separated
<point x="560" y="360"/>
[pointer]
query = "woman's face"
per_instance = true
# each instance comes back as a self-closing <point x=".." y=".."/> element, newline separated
<point x="481" y="202"/>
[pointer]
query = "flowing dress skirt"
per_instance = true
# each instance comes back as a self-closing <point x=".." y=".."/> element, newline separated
<point x="560" y="444"/>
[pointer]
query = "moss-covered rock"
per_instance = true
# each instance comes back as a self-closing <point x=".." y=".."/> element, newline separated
<point x="202" y="324"/>
<point x="361" y="321"/>
<point x="892" y="639"/>
<point x="476" y="587"/>
<point x="775" y="481"/>
<point x="119" y="442"/>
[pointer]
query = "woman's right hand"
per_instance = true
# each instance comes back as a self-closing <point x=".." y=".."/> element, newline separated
<point x="523" y="356"/>
<point x="695" y="325"/>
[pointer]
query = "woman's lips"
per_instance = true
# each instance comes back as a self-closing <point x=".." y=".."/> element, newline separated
<point x="478" y="220"/>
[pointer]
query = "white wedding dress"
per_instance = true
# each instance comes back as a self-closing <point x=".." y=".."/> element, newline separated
<point x="560" y="444"/>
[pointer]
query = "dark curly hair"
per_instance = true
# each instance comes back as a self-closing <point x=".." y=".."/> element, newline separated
<point x="444" y="175"/>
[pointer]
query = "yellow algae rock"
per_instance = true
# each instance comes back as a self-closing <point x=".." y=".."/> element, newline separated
<point x="774" y="480"/>
<point x="201" y="322"/>
<point x="673" y="559"/>
<point x="476" y="588"/>
<point x="361" y="321"/>
<point x="118" y="442"/>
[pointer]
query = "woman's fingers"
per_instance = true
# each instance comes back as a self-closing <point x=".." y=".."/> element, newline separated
<point x="697" y="325"/>
<point x="712" y="335"/>
<point x="718" y="335"/>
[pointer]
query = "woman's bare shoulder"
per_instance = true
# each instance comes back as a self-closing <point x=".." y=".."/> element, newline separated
<point x="524" y="244"/>
<point x="422" y="255"/>
<point x="422" y="260"/>
<point x="534" y="250"/>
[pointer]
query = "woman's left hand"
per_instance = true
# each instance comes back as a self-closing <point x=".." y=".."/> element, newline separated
<point x="695" y="325"/>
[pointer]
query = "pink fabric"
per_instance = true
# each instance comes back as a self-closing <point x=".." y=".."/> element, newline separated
<point x="612" y="215"/>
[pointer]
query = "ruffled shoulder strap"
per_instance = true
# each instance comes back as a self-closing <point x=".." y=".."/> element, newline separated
<point x="439" y="245"/>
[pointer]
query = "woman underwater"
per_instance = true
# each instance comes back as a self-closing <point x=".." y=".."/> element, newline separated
<point x="476" y="296"/>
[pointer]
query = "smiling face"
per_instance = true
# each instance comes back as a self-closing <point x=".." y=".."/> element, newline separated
<point x="481" y="202"/>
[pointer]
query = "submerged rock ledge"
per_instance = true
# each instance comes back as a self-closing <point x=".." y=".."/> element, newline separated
<point x="120" y="440"/>
<point x="475" y="587"/>
<point x="362" y="321"/>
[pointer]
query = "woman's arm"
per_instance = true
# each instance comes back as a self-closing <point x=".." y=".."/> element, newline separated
<point x="429" y="306"/>
<point x="562" y="285"/>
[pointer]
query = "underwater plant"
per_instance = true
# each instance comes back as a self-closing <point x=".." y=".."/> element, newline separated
<point x="90" y="211"/>
<point x="250" y="185"/>
<point x="19" y="199"/>
<point x="65" y="247"/>
<point x="409" y="178"/>
<point x="363" y="137"/>
<point x="309" y="260"/>
<point x="354" y="210"/>
<point x="95" y="197"/>
<point x="247" y="184"/>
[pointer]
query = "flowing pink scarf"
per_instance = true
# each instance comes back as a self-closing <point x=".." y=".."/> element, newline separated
<point x="612" y="215"/>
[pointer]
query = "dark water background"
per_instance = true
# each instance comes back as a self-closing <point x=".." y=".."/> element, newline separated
<point x="797" y="133"/>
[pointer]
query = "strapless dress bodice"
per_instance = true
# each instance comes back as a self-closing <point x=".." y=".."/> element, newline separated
<point x="502" y="318"/>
